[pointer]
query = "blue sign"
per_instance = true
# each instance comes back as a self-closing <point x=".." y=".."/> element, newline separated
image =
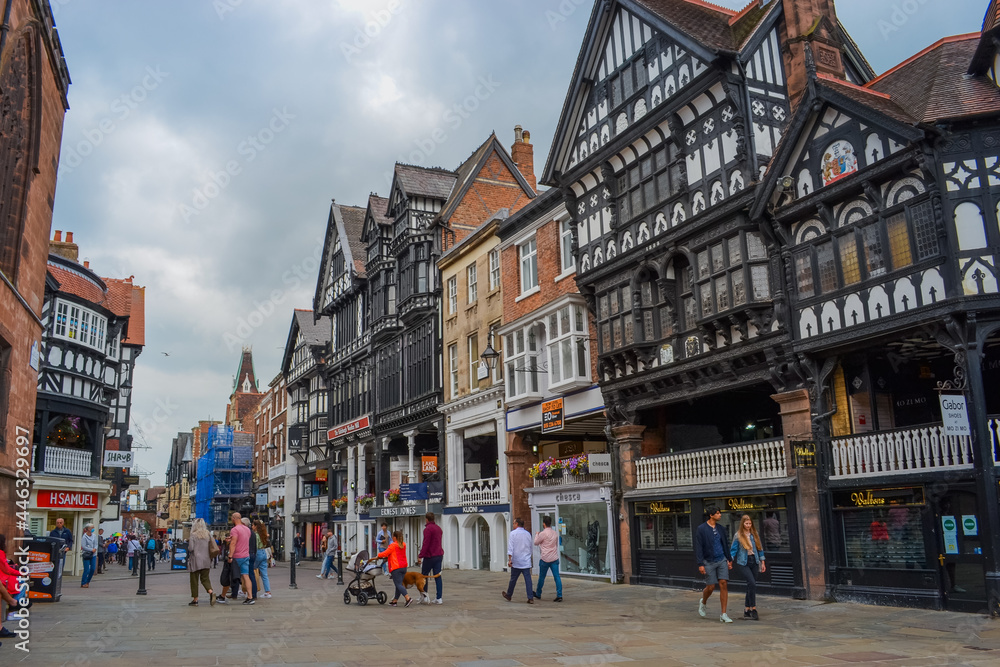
<point x="179" y="559"/>
<point x="413" y="491"/>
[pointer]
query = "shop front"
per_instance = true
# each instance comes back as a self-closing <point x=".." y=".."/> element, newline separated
<point x="475" y="536"/>
<point x="663" y="538"/>
<point x="911" y="545"/>
<point x="583" y="516"/>
<point x="408" y="519"/>
<point x="77" y="504"/>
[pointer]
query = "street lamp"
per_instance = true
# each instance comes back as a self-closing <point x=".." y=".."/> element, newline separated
<point x="490" y="355"/>
<point x="126" y="388"/>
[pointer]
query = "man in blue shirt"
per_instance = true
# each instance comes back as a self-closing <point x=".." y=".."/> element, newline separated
<point x="714" y="561"/>
<point x="519" y="546"/>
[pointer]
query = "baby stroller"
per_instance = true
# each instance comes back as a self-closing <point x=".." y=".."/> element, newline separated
<point x="363" y="585"/>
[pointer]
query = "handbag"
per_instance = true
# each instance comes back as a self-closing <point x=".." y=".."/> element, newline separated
<point x="213" y="549"/>
<point x="87" y="555"/>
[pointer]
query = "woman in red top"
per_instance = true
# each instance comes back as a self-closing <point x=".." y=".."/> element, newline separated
<point x="396" y="553"/>
<point x="9" y="586"/>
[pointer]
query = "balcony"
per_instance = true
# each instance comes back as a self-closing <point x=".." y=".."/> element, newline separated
<point x="313" y="505"/>
<point x="65" y="461"/>
<point x="480" y="492"/>
<point x="761" y="459"/>
<point x="907" y="450"/>
<point x="569" y="479"/>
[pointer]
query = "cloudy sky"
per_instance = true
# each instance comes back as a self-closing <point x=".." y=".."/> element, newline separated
<point x="206" y="138"/>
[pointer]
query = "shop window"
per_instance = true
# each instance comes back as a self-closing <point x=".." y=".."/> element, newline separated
<point x="887" y="538"/>
<point x="768" y="514"/>
<point x="584" y="530"/>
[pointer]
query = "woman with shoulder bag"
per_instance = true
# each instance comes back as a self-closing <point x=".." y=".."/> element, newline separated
<point x="199" y="561"/>
<point x="749" y="556"/>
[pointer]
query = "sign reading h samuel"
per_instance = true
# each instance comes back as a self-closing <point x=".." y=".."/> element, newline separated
<point x="116" y="459"/>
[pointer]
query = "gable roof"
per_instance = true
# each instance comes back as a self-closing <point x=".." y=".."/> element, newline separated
<point x="245" y="370"/>
<point x="376" y="214"/>
<point x="933" y="85"/>
<point x="469" y="170"/>
<point x="354" y="225"/>
<point x="433" y="182"/>
<point x="315" y="331"/>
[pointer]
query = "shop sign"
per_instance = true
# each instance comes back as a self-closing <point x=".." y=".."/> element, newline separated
<point x="130" y="480"/>
<point x="670" y="507"/>
<point x="970" y="525"/>
<point x="949" y="528"/>
<point x="403" y="510"/>
<point x="954" y="414"/>
<point x="745" y="504"/>
<point x="114" y="458"/>
<point x="552" y="415"/>
<point x="803" y="454"/>
<point x="348" y="428"/>
<point x="261" y="500"/>
<point x="428" y="464"/>
<point x="322" y="475"/>
<point x="906" y="496"/>
<point x="599" y="462"/>
<point x="475" y="509"/>
<point x="569" y="497"/>
<point x="110" y="474"/>
<point x="67" y="500"/>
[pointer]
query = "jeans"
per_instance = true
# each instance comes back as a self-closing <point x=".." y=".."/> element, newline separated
<point x="397" y="580"/>
<point x="748" y="572"/>
<point x="543" y="568"/>
<point x="328" y="565"/>
<point x="516" y="572"/>
<point x="432" y="564"/>
<point x="88" y="570"/>
<point x="262" y="563"/>
<point x="131" y="562"/>
<point x="151" y="559"/>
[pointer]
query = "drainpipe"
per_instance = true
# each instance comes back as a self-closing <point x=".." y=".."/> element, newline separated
<point x="6" y="24"/>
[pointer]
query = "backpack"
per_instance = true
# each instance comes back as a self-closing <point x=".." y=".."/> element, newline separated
<point x="151" y="545"/>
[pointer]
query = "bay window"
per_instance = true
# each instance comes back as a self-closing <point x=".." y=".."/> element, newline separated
<point x="521" y="359"/>
<point x="569" y="360"/>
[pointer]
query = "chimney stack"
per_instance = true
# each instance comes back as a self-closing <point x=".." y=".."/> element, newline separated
<point x="66" y="248"/>
<point x="812" y="40"/>
<point x="523" y="154"/>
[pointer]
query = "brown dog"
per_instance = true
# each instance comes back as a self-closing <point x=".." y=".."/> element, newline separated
<point x="419" y="581"/>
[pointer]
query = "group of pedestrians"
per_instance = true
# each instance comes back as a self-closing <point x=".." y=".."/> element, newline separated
<point x="519" y="558"/>
<point x="246" y="554"/>
<point x="392" y="548"/>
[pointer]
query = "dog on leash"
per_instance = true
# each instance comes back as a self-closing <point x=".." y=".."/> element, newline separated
<point x="419" y="581"/>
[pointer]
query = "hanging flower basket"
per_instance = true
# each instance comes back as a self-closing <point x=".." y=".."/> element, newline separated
<point x="340" y="503"/>
<point x="578" y="465"/>
<point x="366" y="500"/>
<point x="548" y="469"/>
<point x="393" y="495"/>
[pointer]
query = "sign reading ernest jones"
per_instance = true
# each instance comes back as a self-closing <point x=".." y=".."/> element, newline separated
<point x="954" y="415"/>
<point x="67" y="500"/>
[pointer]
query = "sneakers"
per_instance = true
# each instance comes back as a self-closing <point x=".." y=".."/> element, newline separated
<point x="320" y="576"/>
<point x="530" y="601"/>
<point x="266" y="595"/>
<point x="725" y="618"/>
<point x="753" y="615"/>
<point x="538" y="594"/>
<point x="505" y="596"/>
<point x="558" y="599"/>
<point x="746" y="615"/>
<point x="193" y="603"/>
<point x="242" y="594"/>
<point x="250" y="601"/>
<point x="408" y="602"/>
<point x="221" y="600"/>
<point x="392" y="603"/>
<point x="438" y="601"/>
<point x="701" y="609"/>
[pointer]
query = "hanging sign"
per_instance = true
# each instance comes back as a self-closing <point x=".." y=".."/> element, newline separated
<point x="428" y="464"/>
<point x="949" y="528"/>
<point x="599" y="462"/>
<point x="114" y="458"/>
<point x="954" y="414"/>
<point x="322" y="475"/>
<point x="552" y="415"/>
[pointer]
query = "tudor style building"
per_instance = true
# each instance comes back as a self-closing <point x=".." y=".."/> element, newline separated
<point x="786" y="258"/>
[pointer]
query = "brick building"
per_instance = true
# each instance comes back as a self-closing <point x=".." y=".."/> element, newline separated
<point x="33" y="86"/>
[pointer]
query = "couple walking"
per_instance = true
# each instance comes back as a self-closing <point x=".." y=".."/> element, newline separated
<point x="519" y="559"/>
<point x="715" y="561"/>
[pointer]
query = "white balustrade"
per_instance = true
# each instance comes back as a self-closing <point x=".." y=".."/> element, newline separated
<point x="65" y="461"/>
<point x="569" y="478"/>
<point x="902" y="451"/>
<point x="313" y="505"/>
<point x="480" y="492"/>
<point x="761" y="459"/>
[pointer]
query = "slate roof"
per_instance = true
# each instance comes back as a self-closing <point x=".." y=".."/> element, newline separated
<point x="881" y="102"/>
<point x="379" y="207"/>
<point x="354" y="226"/>
<point x="431" y="182"/>
<point x="314" y="332"/>
<point x="933" y="84"/>
<point x="716" y="27"/>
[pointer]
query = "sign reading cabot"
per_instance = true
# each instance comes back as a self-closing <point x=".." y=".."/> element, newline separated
<point x="118" y="459"/>
<point x="67" y="500"/>
<point x="348" y="428"/>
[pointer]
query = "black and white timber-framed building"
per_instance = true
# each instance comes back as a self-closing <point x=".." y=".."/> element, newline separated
<point x="784" y="255"/>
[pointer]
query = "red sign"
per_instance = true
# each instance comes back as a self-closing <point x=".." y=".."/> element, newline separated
<point x="349" y="427"/>
<point x="67" y="500"/>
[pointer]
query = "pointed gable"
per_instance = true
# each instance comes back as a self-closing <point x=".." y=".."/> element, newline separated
<point x="343" y="254"/>
<point x="375" y="217"/>
<point x="246" y="379"/>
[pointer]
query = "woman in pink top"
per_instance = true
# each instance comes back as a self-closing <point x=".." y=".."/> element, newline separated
<point x="548" y="543"/>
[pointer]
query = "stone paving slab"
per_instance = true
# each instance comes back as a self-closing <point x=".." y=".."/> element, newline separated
<point x="109" y="625"/>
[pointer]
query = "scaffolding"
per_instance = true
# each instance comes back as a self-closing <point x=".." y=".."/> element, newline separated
<point x="224" y="474"/>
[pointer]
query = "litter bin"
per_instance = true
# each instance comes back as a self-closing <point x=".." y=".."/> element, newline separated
<point x="179" y="557"/>
<point x="46" y="561"/>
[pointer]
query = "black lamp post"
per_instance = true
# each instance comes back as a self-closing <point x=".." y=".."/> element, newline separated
<point x="490" y="355"/>
<point x="125" y="388"/>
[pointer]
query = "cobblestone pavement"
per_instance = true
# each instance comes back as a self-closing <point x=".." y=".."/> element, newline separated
<point x="108" y="624"/>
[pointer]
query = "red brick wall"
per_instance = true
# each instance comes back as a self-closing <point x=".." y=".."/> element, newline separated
<point x="18" y="327"/>
<point x="494" y="188"/>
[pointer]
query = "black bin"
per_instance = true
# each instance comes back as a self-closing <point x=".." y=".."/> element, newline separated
<point x="46" y="564"/>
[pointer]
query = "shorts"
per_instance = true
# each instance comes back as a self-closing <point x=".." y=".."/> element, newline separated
<point x="714" y="572"/>
<point x="244" y="564"/>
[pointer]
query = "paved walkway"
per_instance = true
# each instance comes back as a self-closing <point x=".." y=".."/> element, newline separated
<point x="109" y="625"/>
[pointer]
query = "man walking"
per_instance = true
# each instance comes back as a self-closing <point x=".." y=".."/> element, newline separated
<point x="102" y="550"/>
<point x="519" y="559"/>
<point x="239" y="556"/>
<point x="431" y="553"/>
<point x="297" y="548"/>
<point x="548" y="544"/>
<point x="713" y="560"/>
<point x="332" y="547"/>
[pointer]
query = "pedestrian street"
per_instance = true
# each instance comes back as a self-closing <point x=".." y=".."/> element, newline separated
<point x="597" y="623"/>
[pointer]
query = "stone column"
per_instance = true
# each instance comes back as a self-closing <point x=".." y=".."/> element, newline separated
<point x="796" y="424"/>
<point x="502" y="471"/>
<point x="351" y="487"/>
<point x="628" y="443"/>
<point x="362" y="469"/>
<point x="411" y="443"/>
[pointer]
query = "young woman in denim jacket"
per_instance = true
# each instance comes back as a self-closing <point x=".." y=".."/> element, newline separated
<point x="749" y="557"/>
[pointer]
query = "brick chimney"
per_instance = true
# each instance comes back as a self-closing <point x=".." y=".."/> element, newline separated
<point x="66" y="248"/>
<point x="810" y="25"/>
<point x="523" y="154"/>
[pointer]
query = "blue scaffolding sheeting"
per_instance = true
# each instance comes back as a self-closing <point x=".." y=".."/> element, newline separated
<point x="224" y="472"/>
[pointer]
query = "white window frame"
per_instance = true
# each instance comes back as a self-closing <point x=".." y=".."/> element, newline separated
<point x="494" y="268"/>
<point x="472" y="275"/>
<point x="527" y="256"/>
<point x="80" y="325"/>
<point x="453" y="368"/>
<point x="521" y="351"/>
<point x="567" y="338"/>
<point x="567" y="260"/>
<point x="452" y="295"/>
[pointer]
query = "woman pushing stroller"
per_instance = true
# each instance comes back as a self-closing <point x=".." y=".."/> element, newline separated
<point x="396" y="553"/>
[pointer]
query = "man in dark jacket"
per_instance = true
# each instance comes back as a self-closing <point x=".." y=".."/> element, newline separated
<point x="63" y="533"/>
<point x="711" y="552"/>
<point x="431" y="553"/>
